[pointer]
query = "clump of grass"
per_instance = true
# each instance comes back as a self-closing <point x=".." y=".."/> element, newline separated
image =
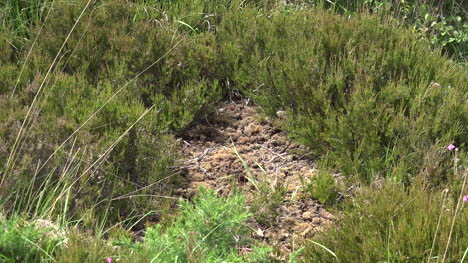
<point x="267" y="199"/>
<point x="268" y="196"/>
<point x="385" y="222"/>
<point x="20" y="15"/>
<point x="88" y="247"/>
<point x="322" y="187"/>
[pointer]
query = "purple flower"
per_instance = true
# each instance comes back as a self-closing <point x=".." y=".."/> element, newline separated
<point x="465" y="198"/>
<point x="451" y="147"/>
<point x="109" y="260"/>
<point x="437" y="85"/>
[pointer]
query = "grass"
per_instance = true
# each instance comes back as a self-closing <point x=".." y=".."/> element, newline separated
<point x="29" y="241"/>
<point x="95" y="94"/>
<point x="268" y="196"/>
<point x="323" y="187"/>
<point x="385" y="222"/>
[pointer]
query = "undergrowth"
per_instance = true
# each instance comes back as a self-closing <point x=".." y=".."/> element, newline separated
<point x="95" y="93"/>
<point x="209" y="230"/>
<point x="387" y="223"/>
<point x="23" y="241"/>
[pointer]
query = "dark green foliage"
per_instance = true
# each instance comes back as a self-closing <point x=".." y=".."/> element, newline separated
<point x="99" y="60"/>
<point x="358" y="92"/>
<point x="385" y="222"/>
<point x="369" y="98"/>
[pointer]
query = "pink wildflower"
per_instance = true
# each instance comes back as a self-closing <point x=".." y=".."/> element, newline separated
<point x="437" y="85"/>
<point x="465" y="198"/>
<point x="109" y="260"/>
<point x="451" y="147"/>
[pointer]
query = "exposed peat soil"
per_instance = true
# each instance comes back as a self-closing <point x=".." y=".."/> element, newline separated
<point x="209" y="160"/>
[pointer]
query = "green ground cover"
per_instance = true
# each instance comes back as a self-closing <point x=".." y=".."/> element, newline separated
<point x="93" y="95"/>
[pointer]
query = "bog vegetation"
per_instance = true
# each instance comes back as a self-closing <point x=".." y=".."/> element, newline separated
<point x="93" y="95"/>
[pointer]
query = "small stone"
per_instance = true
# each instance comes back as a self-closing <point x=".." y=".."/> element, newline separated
<point x="307" y="215"/>
<point x="281" y="114"/>
<point x="316" y="220"/>
<point x="198" y="177"/>
<point x="207" y="166"/>
<point x="219" y="139"/>
<point x="304" y="229"/>
<point x="283" y="209"/>
<point x="252" y="129"/>
<point x="243" y="140"/>
<point x="259" y="232"/>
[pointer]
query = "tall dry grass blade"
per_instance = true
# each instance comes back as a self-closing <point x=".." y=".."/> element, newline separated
<point x="251" y="177"/>
<point x="325" y="248"/>
<point x="459" y="204"/>
<point x="31" y="48"/>
<point x="444" y="197"/>
<point x="101" y="157"/>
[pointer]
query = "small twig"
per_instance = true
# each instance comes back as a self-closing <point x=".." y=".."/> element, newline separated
<point x="197" y="159"/>
<point x="203" y="154"/>
<point x="278" y="154"/>
<point x="271" y="160"/>
<point x="203" y="169"/>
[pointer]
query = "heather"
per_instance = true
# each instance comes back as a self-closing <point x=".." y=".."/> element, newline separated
<point x="96" y="95"/>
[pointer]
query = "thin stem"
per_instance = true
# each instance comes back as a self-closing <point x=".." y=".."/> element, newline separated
<point x="456" y="212"/>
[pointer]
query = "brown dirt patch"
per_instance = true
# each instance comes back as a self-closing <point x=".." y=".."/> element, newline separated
<point x="210" y="161"/>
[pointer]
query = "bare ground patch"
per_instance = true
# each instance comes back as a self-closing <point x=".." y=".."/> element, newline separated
<point x="210" y="161"/>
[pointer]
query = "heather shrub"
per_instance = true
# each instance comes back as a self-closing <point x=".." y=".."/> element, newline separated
<point x="360" y="93"/>
<point x="372" y="100"/>
<point x="323" y="188"/>
<point x="100" y="61"/>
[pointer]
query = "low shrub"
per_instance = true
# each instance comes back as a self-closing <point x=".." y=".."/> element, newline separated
<point x="322" y="187"/>
<point x="96" y="77"/>
<point x="209" y="230"/>
<point x="370" y="98"/>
